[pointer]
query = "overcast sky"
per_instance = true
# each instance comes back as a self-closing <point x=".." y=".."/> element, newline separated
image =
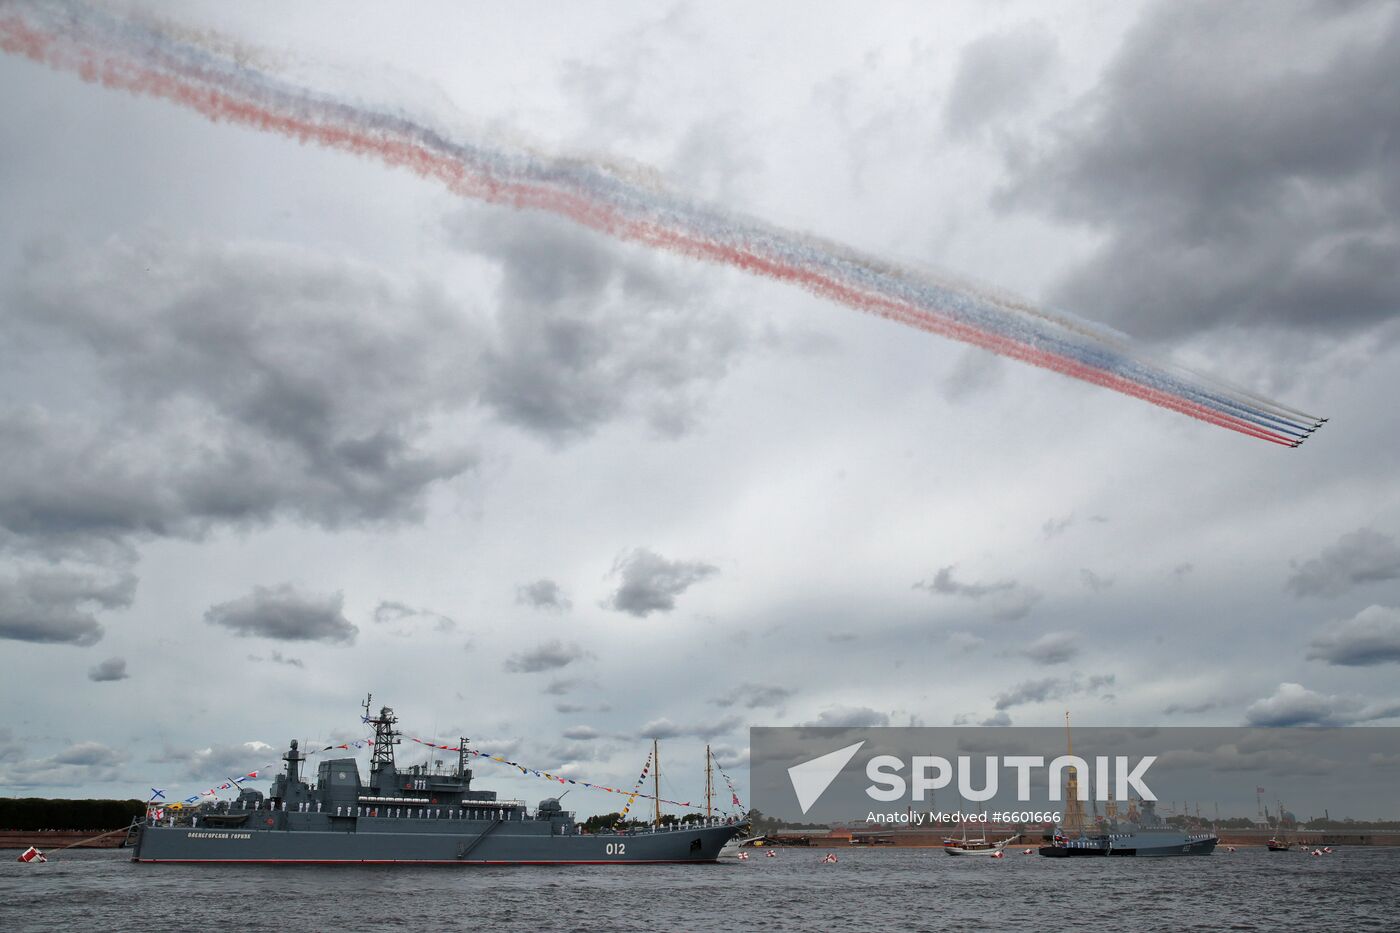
<point x="280" y="426"/>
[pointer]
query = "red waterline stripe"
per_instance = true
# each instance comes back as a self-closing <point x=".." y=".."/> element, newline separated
<point x="299" y="861"/>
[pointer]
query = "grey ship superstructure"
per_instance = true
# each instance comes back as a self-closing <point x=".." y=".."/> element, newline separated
<point x="418" y="815"/>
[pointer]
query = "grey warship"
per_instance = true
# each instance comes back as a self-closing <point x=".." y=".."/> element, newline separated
<point x="416" y="816"/>
<point x="1149" y="836"/>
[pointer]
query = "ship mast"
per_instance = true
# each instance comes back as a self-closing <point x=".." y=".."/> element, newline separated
<point x="385" y="738"/>
<point x="656" y="778"/>
<point x="709" y="784"/>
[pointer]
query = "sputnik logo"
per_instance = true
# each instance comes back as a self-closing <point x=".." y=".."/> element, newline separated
<point x="811" y="778"/>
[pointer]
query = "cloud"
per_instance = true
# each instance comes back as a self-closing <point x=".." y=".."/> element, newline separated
<point x="997" y="76"/>
<point x="581" y="733"/>
<point x="1052" y="648"/>
<point x="1372" y="636"/>
<point x="286" y="614"/>
<point x="1008" y="599"/>
<point x="997" y="720"/>
<point x="56" y="606"/>
<point x="276" y="657"/>
<point x="1201" y="707"/>
<point x="108" y="670"/>
<point x="389" y="613"/>
<point x="964" y="642"/>
<point x="1181" y="570"/>
<point x="666" y="729"/>
<point x="238" y="383"/>
<point x="1294" y="705"/>
<point x="850" y="717"/>
<point x="1054" y="527"/>
<point x="1358" y="557"/>
<point x="78" y="764"/>
<point x="1242" y="166"/>
<point x="562" y="686"/>
<point x="1052" y="688"/>
<point x="753" y="696"/>
<point x="588" y="330"/>
<point x="1093" y="581"/>
<point x="218" y="761"/>
<point x="548" y="656"/>
<point x="542" y="594"/>
<point x="974" y="372"/>
<point x="651" y="583"/>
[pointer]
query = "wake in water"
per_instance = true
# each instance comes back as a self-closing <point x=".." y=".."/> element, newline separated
<point x="146" y="58"/>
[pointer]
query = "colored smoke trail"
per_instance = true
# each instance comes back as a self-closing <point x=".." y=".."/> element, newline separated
<point x="145" y="59"/>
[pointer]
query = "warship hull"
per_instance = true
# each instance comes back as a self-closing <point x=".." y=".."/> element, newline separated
<point x="1146" y="844"/>
<point x="428" y="845"/>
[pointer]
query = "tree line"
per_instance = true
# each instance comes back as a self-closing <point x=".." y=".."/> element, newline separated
<point x="32" y="814"/>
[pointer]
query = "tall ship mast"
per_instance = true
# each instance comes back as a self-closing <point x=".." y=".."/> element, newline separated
<point x="417" y="815"/>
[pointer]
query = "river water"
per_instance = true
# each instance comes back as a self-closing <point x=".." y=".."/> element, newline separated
<point x="868" y="889"/>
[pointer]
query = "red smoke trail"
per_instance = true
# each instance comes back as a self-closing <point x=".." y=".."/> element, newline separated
<point x="223" y="106"/>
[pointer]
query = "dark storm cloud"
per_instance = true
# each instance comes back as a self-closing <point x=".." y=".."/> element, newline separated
<point x="588" y="330"/>
<point x="666" y="729"/>
<point x="1295" y="705"/>
<point x="285" y="613"/>
<point x="1008" y="599"/>
<point x="1372" y="636"/>
<point x="1051" y="688"/>
<point x="1361" y="556"/>
<point x="754" y="696"/>
<point x="56" y="606"/>
<point x="650" y="583"/>
<point x="542" y="594"/>
<point x="1239" y="161"/>
<point x="997" y="76"/>
<point x="241" y="383"/>
<point x="548" y="656"/>
<point x="108" y="670"/>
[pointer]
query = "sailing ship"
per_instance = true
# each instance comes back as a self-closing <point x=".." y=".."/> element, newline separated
<point x="1279" y="841"/>
<point x="978" y="846"/>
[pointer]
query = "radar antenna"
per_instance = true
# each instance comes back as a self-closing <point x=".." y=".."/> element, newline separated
<point x="385" y="736"/>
